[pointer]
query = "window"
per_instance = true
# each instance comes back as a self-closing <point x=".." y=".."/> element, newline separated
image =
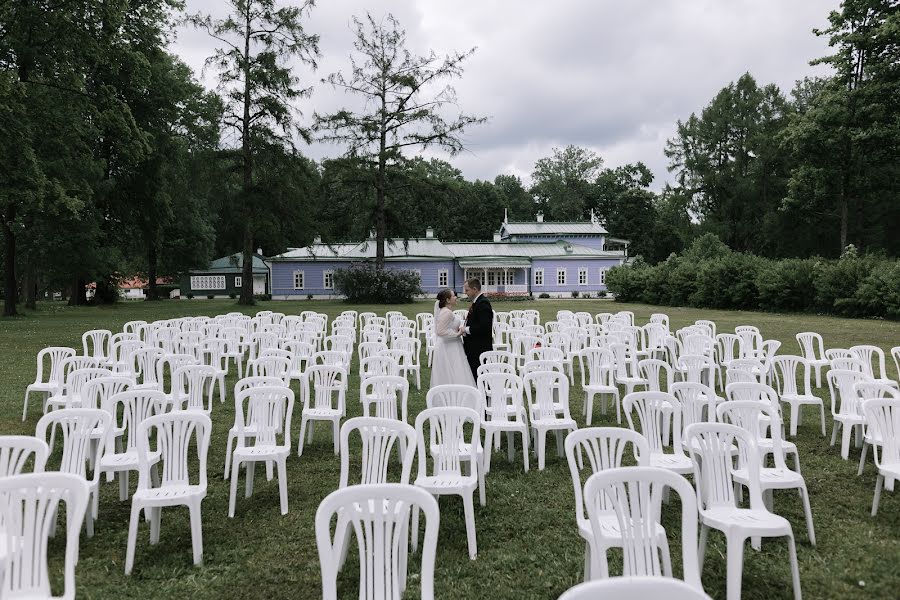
<point x="237" y="282"/>
<point x="560" y="277"/>
<point x="538" y="277"/>
<point x="443" y="278"/>
<point x="582" y="276"/>
<point x="328" y="280"/>
<point x="208" y="282"/>
<point x="491" y="278"/>
<point x="298" y="280"/>
<point x="603" y="276"/>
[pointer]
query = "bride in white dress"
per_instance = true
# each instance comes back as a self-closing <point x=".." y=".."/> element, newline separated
<point x="449" y="364"/>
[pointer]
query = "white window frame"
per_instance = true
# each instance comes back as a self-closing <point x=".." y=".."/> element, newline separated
<point x="443" y="278"/>
<point x="541" y="282"/>
<point x="562" y="276"/>
<point x="207" y="282"/>
<point x="325" y="275"/>
<point x="603" y="275"/>
<point x="237" y="281"/>
<point x="583" y="272"/>
<point x="302" y="278"/>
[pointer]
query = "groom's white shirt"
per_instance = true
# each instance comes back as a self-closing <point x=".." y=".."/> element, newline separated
<point x="473" y="302"/>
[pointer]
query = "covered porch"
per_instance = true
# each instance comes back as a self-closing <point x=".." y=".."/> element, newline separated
<point x="499" y="275"/>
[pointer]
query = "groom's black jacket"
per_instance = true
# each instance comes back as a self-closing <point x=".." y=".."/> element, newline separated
<point x="480" y="322"/>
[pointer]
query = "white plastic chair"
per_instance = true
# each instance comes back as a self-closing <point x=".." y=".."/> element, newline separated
<point x="136" y="406"/>
<point x="884" y="416"/>
<point x="634" y="588"/>
<point x="17" y="450"/>
<point x="504" y="412"/>
<point x="79" y="426"/>
<point x="385" y="392"/>
<point x="30" y="505"/>
<point x="323" y="393"/>
<point x="784" y="374"/>
<point x="634" y="496"/>
<point x="192" y="387"/>
<point x="866" y="391"/>
<point x="655" y="411"/>
<point x="589" y="451"/>
<point x="598" y="370"/>
<point x="269" y="411"/>
<point x="95" y="343"/>
<point x="379" y="517"/>
<point x="870" y="354"/>
<point x="446" y="426"/>
<point x="52" y="386"/>
<point x="454" y="395"/>
<point x="845" y="409"/>
<point x="627" y="367"/>
<point x="545" y="413"/>
<point x="710" y="445"/>
<point x="747" y="414"/>
<point x="174" y="432"/>
<point x="813" y="350"/>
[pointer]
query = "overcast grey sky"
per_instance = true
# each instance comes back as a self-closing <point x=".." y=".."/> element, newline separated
<point x="610" y="76"/>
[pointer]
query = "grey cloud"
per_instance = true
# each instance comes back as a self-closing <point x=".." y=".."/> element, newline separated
<point x="611" y="76"/>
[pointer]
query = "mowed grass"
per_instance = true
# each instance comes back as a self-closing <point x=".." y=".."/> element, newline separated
<point x="527" y="543"/>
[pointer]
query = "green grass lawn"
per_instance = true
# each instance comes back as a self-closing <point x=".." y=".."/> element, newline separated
<point x="527" y="543"/>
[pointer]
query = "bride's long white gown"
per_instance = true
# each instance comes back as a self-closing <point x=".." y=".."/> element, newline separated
<point x="449" y="364"/>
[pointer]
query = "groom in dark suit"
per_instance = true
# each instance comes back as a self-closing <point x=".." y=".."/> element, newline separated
<point x="479" y="327"/>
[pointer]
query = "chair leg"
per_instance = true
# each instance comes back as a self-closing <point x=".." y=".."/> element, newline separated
<point x="822" y="415"/>
<point x="879" y="484"/>
<point x="846" y="434"/>
<point x="589" y="407"/>
<point x="302" y="435"/>
<point x="795" y="418"/>
<point x="704" y="534"/>
<point x="132" y="537"/>
<point x="196" y="532"/>
<point x="481" y="493"/>
<point x="155" y="522"/>
<point x="834" y="431"/>
<point x="123" y="485"/>
<point x="804" y="494"/>
<point x="282" y="484"/>
<point x="541" y="448"/>
<point x="469" y="510"/>
<point x="336" y="435"/>
<point x="525" y="449"/>
<point x="862" y="459"/>
<point x="587" y="561"/>
<point x="249" y="472"/>
<point x="232" y="496"/>
<point x="735" y="569"/>
<point x="795" y="568"/>
<point x="666" y="557"/>
<point x="25" y="408"/>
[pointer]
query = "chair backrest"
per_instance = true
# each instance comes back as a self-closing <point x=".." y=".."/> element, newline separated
<point x="749" y="390"/>
<point x="634" y="495"/>
<point x="711" y="446"/>
<point x="94" y="343"/>
<point x="174" y="432"/>
<point x="749" y="416"/>
<point x="378" y="437"/>
<point x="268" y="416"/>
<point x="191" y="384"/>
<point x="77" y="426"/>
<point x="497" y="356"/>
<point x="811" y="345"/>
<point x="653" y="369"/>
<point x="97" y="390"/>
<point x="56" y="355"/>
<point x="594" y="449"/>
<point x="544" y="353"/>
<point x="17" y="450"/>
<point x="498" y="367"/>
<point x="501" y="392"/>
<point x="543" y="389"/>
<point x="380" y="364"/>
<point x="145" y="365"/>
<point x="597" y="366"/>
<point x="29" y="503"/>
<point x="698" y="402"/>
<point x="727" y="347"/>
<point x="385" y="392"/>
<point x="695" y="366"/>
<point x="884" y="416"/>
<point x="653" y="409"/>
<point x="136" y="405"/>
<point x="785" y="370"/>
<point x="842" y="386"/>
<point x="868" y="353"/>
<point x="634" y="588"/>
<point x="446" y="431"/>
<point x="77" y="380"/>
<point x="379" y="517"/>
<point x="327" y="384"/>
<point x="454" y="395"/>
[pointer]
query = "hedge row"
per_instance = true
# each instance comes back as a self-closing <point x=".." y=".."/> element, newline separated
<point x="710" y="275"/>
<point x="365" y="283"/>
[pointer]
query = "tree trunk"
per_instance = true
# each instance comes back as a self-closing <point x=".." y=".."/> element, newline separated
<point x="78" y="297"/>
<point x="151" y="271"/>
<point x="380" y="221"/>
<point x="842" y="202"/>
<point x="30" y="284"/>
<point x="9" y="263"/>
<point x="247" y="185"/>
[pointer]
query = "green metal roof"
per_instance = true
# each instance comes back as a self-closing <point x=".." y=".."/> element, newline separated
<point x="234" y="264"/>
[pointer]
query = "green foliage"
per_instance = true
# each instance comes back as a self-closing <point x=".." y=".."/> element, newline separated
<point x="575" y="293"/>
<point x="543" y="295"/>
<point x="835" y="284"/>
<point x="367" y="283"/>
<point x="786" y="285"/>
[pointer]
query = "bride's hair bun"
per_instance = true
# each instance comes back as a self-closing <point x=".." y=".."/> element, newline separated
<point x="443" y="296"/>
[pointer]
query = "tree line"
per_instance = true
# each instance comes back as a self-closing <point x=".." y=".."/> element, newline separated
<point x="116" y="161"/>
